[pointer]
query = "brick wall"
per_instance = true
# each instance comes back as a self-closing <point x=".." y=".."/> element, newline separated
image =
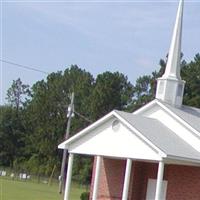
<point x="142" y="172"/>
<point x="183" y="181"/>
<point x="111" y="179"/>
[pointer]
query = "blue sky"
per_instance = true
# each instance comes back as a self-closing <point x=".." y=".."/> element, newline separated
<point x="125" y="36"/>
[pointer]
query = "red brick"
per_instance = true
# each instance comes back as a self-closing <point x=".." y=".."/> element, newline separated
<point x="183" y="181"/>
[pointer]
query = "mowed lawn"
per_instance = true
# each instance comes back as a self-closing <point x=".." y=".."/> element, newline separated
<point x="19" y="190"/>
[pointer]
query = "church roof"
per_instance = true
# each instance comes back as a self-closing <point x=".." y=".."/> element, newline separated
<point x="190" y="115"/>
<point x="161" y="136"/>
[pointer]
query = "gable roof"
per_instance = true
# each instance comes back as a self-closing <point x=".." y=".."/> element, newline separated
<point x="151" y="131"/>
<point x="190" y="115"/>
<point x="161" y="136"/>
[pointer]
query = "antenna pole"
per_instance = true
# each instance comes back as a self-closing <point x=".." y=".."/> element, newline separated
<point x="70" y="114"/>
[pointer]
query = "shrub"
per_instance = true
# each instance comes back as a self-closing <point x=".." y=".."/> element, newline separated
<point x="85" y="196"/>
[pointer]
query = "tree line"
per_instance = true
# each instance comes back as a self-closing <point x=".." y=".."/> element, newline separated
<point x="33" y="121"/>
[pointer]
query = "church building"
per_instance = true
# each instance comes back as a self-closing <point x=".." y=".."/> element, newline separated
<point x="151" y="154"/>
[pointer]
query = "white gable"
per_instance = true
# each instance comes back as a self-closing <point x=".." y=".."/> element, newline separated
<point x="115" y="142"/>
<point x="151" y="133"/>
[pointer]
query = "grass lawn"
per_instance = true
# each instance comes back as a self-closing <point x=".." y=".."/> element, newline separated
<point x="20" y="190"/>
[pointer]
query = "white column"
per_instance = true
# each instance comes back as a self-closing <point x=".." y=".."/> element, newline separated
<point x="127" y="179"/>
<point x="96" y="178"/>
<point x="69" y="176"/>
<point x="159" y="180"/>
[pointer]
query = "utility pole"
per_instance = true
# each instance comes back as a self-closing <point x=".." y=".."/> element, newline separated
<point x="70" y="114"/>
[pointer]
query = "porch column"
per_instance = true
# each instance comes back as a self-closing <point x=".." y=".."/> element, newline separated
<point x="96" y="178"/>
<point x="127" y="179"/>
<point x="159" y="180"/>
<point x="69" y="176"/>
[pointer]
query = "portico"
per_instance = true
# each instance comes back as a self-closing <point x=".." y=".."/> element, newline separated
<point x="126" y="184"/>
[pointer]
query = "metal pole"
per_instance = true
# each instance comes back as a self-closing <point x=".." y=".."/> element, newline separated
<point x="64" y="158"/>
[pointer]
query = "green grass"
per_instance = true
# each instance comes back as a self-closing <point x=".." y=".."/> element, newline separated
<point x="20" y="190"/>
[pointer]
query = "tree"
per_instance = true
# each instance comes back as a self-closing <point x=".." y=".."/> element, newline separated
<point x="12" y="130"/>
<point x="47" y="114"/>
<point x="191" y="74"/>
<point x="111" y="91"/>
<point x="7" y="150"/>
<point x="12" y="134"/>
<point x="17" y="93"/>
<point x="143" y="91"/>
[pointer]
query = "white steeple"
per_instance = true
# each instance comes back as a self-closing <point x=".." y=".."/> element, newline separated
<point x="170" y="87"/>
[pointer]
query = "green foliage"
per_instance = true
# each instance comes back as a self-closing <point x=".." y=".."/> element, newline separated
<point x="111" y="91"/>
<point x="6" y="154"/>
<point x="85" y="196"/>
<point x="143" y="91"/>
<point x="191" y="74"/>
<point x="18" y="93"/>
<point x="82" y="170"/>
<point x="12" y="133"/>
<point x="47" y="113"/>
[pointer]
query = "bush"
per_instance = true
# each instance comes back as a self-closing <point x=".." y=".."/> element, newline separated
<point x="85" y="196"/>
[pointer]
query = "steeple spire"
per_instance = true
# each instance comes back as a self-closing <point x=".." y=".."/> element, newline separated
<point x="173" y="63"/>
<point x="170" y="86"/>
